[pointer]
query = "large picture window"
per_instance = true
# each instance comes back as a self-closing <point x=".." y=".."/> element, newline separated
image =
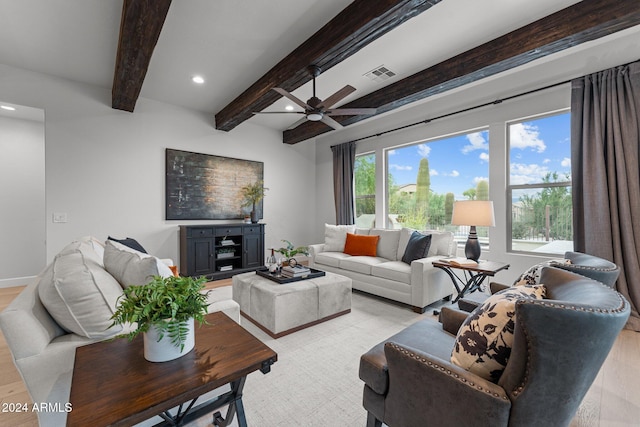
<point x="425" y="179"/>
<point x="539" y="188"/>
<point x="365" y="190"/>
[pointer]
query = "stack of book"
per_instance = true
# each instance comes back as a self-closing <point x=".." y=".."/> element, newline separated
<point x="296" y="271"/>
<point x="225" y="268"/>
<point x="227" y="242"/>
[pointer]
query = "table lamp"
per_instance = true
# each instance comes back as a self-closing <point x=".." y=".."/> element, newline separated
<point x="473" y="213"/>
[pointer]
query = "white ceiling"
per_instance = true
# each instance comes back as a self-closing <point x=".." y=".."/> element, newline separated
<point x="232" y="43"/>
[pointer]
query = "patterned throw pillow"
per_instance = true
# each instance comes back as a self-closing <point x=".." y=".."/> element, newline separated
<point x="483" y="344"/>
<point x="532" y="275"/>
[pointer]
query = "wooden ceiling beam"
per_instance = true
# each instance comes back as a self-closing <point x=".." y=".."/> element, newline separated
<point x="579" y="23"/>
<point x="360" y="23"/>
<point x="140" y="27"/>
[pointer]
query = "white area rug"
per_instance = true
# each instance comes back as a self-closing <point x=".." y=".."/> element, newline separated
<point x="315" y="380"/>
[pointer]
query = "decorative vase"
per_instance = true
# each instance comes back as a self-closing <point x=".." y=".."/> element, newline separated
<point x="163" y="350"/>
<point x="254" y="216"/>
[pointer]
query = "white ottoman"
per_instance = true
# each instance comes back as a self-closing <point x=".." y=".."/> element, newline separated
<point x="282" y="309"/>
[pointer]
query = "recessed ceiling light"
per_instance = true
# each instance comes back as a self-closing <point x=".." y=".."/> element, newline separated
<point x="197" y="79"/>
<point x="289" y="108"/>
<point x="6" y="107"/>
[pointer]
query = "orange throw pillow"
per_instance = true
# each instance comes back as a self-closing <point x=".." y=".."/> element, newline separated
<point x="357" y="244"/>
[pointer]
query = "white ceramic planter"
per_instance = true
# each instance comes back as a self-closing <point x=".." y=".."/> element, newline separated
<point x="164" y="350"/>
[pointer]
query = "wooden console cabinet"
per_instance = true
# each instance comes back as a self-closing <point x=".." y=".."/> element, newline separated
<point x="219" y="251"/>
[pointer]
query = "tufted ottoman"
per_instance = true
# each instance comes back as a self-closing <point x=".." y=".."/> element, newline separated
<point x="282" y="309"/>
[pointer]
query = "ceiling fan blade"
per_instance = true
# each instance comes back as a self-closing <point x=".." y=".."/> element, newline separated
<point x="337" y="97"/>
<point x="351" y="111"/>
<point x="329" y="121"/>
<point x="278" y="112"/>
<point x="292" y="98"/>
<point x="297" y="123"/>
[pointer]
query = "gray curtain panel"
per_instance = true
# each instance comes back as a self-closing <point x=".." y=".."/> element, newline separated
<point x="344" y="157"/>
<point x="605" y="127"/>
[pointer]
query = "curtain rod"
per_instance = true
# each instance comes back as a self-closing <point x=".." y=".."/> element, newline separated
<point x="496" y="102"/>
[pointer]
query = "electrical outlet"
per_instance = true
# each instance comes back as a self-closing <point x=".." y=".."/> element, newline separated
<point x="59" y="217"/>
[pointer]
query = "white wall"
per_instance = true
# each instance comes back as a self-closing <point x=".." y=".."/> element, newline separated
<point x="22" y="196"/>
<point x="105" y="167"/>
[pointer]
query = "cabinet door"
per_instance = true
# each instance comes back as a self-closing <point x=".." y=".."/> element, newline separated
<point x="253" y="251"/>
<point x="202" y="257"/>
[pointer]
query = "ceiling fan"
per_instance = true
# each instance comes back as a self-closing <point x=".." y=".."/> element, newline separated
<point x="316" y="109"/>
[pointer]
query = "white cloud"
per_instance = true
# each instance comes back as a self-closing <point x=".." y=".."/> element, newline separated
<point x="484" y="157"/>
<point x="424" y="150"/>
<point x="433" y="172"/>
<point x="526" y="174"/>
<point x="566" y="162"/>
<point x="545" y="161"/>
<point x="453" y="173"/>
<point x="391" y="152"/>
<point x="477" y="179"/>
<point x="477" y="143"/>
<point x="400" y="167"/>
<point x="523" y="135"/>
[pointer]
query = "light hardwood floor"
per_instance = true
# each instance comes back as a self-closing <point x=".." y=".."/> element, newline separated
<point x="613" y="400"/>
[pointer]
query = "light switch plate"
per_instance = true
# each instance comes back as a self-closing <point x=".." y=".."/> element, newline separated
<point x="59" y="217"/>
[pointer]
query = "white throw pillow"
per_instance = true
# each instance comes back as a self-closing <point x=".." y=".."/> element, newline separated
<point x="78" y="293"/>
<point x="131" y="267"/>
<point x="484" y="341"/>
<point x="335" y="236"/>
<point x="388" y="243"/>
<point x="442" y="243"/>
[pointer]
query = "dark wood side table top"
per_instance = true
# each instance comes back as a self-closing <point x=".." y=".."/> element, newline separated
<point x="488" y="268"/>
<point x="113" y="384"/>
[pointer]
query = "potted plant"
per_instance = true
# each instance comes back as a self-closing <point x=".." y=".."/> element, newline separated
<point x="252" y="194"/>
<point x="164" y="311"/>
<point x="225" y="253"/>
<point x="289" y="251"/>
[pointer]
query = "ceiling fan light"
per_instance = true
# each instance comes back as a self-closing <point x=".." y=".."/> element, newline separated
<point x="314" y="117"/>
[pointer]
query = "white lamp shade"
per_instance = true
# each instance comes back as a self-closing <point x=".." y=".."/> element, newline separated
<point x="473" y="212"/>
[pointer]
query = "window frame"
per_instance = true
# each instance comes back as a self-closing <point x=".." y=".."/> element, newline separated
<point x="542" y="185"/>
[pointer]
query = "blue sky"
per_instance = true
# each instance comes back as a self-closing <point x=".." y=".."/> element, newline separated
<point x="457" y="163"/>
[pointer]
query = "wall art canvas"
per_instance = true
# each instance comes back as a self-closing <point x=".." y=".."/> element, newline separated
<point x="204" y="186"/>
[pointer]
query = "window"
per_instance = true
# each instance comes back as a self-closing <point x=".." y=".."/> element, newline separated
<point x="539" y="185"/>
<point x="365" y="190"/>
<point x="425" y="179"/>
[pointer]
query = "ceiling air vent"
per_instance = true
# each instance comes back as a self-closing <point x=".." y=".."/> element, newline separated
<point x="380" y="74"/>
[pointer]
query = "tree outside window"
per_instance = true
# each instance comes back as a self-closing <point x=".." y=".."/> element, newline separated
<point x="365" y="190"/>
<point x="425" y="179"/>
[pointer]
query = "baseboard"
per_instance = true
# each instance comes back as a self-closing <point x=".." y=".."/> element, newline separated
<point x="16" y="281"/>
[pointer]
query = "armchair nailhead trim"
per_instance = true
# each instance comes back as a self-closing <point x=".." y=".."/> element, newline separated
<point x="445" y="370"/>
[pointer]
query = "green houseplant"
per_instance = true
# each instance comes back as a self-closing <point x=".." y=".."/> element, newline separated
<point x="253" y="194"/>
<point x="165" y="306"/>
<point x="289" y="251"/>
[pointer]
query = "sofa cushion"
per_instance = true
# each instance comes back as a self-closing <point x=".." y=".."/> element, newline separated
<point x="483" y="344"/>
<point x="442" y="243"/>
<point x="388" y="243"/>
<point x="417" y="247"/>
<point x="335" y="236"/>
<point x="130" y="267"/>
<point x="78" y="293"/>
<point x="361" y="264"/>
<point x="330" y="258"/>
<point x="393" y="270"/>
<point x="358" y="245"/>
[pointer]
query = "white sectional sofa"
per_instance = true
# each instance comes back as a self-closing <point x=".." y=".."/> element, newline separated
<point x="69" y="305"/>
<point x="417" y="284"/>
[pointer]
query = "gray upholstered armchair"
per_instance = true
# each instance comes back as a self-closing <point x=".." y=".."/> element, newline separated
<point x="410" y="381"/>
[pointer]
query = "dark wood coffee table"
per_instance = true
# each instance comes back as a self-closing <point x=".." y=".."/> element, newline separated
<point x="114" y="385"/>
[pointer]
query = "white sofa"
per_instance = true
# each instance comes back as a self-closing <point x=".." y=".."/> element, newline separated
<point x="44" y="350"/>
<point x="417" y="285"/>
